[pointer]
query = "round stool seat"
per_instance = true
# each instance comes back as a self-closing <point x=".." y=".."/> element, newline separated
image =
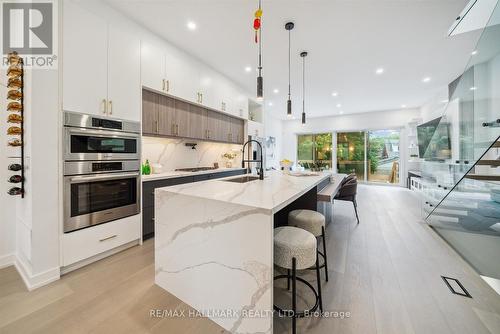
<point x="292" y="242"/>
<point x="308" y="220"/>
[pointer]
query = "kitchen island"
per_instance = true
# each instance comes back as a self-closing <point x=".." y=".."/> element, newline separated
<point x="214" y="244"/>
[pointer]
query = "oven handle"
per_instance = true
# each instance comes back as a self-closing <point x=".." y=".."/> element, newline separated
<point x="81" y="179"/>
<point x="103" y="133"/>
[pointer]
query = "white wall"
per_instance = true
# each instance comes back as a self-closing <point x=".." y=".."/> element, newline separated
<point x="273" y="127"/>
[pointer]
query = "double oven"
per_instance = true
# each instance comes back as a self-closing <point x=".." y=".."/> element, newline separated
<point x="101" y="170"/>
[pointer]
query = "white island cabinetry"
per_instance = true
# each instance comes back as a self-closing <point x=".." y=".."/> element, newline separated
<point x="214" y="244"/>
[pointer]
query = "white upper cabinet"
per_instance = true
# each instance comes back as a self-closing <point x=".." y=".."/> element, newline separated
<point x="168" y="70"/>
<point x="181" y="76"/>
<point x="84" y="61"/>
<point x="101" y="66"/>
<point x="124" y="75"/>
<point x="153" y="66"/>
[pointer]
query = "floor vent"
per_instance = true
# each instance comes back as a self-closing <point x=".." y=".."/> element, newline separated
<point x="456" y="287"/>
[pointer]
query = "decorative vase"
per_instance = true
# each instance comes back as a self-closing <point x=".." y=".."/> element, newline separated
<point x="229" y="164"/>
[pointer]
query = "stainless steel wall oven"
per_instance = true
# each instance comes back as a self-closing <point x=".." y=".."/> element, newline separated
<point x="101" y="170"/>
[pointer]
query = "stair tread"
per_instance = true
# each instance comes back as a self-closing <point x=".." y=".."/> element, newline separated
<point x="488" y="162"/>
<point x="483" y="177"/>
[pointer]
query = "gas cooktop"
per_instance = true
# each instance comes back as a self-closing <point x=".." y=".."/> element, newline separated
<point x="194" y="169"/>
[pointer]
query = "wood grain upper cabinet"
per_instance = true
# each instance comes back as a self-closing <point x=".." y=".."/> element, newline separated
<point x="150" y="104"/>
<point x="237" y="130"/>
<point x="196" y="118"/>
<point x="181" y="119"/>
<point x="166" y="115"/>
<point x="85" y="61"/>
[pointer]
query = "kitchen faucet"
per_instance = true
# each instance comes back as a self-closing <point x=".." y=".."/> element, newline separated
<point x="261" y="169"/>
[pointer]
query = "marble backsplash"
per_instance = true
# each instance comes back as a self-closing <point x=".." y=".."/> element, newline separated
<point x="173" y="154"/>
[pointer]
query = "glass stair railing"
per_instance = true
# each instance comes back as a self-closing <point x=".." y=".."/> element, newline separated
<point x="461" y="167"/>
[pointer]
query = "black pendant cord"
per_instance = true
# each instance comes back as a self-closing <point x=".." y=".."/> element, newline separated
<point x="303" y="55"/>
<point x="289" y="61"/>
<point x="289" y="26"/>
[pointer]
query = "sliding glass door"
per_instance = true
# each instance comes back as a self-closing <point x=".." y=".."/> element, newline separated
<point x="372" y="155"/>
<point x="383" y="156"/>
<point x="351" y="153"/>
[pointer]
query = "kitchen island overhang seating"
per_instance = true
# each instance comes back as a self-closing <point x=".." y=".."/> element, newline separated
<point x="214" y="243"/>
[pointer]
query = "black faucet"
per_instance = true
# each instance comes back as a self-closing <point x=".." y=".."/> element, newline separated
<point x="261" y="169"/>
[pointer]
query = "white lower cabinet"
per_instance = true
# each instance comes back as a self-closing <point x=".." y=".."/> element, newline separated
<point x="91" y="241"/>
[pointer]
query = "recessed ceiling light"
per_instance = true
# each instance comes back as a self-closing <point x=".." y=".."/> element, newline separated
<point x="474" y="52"/>
<point x="248" y="69"/>
<point x="379" y="70"/>
<point x="339" y="105"/>
<point x="191" y="25"/>
<point x="444" y="101"/>
<point x="341" y="112"/>
<point x="270" y="104"/>
<point x="335" y="94"/>
<point x="403" y="106"/>
<point x="426" y="79"/>
<point x="473" y="88"/>
<point x="276" y="91"/>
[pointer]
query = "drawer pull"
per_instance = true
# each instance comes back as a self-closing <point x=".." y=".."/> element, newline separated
<point x="110" y="237"/>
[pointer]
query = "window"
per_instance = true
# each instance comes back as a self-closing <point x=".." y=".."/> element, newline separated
<point x="315" y="151"/>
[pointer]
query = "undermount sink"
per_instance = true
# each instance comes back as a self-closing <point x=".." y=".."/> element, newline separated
<point x="243" y="179"/>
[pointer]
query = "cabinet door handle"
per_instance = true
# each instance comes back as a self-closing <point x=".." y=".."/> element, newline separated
<point x="163" y="85"/>
<point x="108" y="238"/>
<point x="110" y="107"/>
<point x="168" y="85"/>
<point x="103" y="106"/>
<point x="157" y="127"/>
<point x="176" y="129"/>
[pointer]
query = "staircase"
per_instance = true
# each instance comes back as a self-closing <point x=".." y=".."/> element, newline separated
<point x="461" y="196"/>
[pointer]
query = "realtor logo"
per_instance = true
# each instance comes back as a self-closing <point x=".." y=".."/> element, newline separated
<point x="28" y="28"/>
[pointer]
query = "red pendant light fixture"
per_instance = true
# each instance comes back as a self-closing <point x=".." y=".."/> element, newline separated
<point x="257" y="26"/>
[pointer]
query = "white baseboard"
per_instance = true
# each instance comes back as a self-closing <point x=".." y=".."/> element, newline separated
<point x="33" y="281"/>
<point x="7" y="260"/>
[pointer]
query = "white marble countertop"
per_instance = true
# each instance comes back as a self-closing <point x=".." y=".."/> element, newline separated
<point x="173" y="174"/>
<point x="276" y="191"/>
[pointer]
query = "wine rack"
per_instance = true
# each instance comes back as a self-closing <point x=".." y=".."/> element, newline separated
<point x="15" y="131"/>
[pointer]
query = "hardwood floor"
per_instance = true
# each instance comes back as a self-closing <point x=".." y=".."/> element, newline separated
<point x="385" y="272"/>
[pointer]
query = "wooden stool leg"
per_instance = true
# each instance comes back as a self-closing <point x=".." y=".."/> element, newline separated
<point x="324" y="252"/>
<point x="356" y="209"/>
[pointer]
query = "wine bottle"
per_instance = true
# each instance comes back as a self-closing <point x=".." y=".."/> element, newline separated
<point x="15" y="191"/>
<point x="15" y="167"/>
<point x="15" y="179"/>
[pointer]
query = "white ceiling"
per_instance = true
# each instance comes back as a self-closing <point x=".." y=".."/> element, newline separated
<point x="346" y="40"/>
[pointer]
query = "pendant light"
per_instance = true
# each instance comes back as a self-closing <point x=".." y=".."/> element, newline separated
<point x="289" y="26"/>
<point x="258" y="38"/>
<point x="303" y="54"/>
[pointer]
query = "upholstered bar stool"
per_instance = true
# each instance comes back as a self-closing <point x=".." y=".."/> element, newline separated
<point x="295" y="249"/>
<point x="313" y="222"/>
